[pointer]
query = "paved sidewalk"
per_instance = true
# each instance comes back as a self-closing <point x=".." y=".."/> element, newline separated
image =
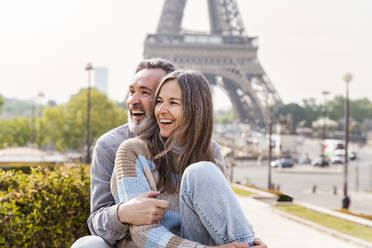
<point x="280" y="232"/>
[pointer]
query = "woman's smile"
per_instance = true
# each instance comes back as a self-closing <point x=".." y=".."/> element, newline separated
<point x="168" y="108"/>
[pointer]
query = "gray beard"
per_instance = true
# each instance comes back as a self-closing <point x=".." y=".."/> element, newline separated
<point x="138" y="127"/>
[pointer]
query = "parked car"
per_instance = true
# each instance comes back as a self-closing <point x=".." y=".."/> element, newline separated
<point x="338" y="157"/>
<point x="283" y="163"/>
<point x="322" y="162"/>
<point x="353" y="155"/>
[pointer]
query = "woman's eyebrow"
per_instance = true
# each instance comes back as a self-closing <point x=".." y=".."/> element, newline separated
<point x="175" y="98"/>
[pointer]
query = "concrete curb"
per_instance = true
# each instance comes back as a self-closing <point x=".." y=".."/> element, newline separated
<point x="264" y="194"/>
<point x="324" y="229"/>
<point x="253" y="190"/>
<point x="337" y="234"/>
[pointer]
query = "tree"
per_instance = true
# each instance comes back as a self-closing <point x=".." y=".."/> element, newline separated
<point x="54" y="127"/>
<point x="51" y="103"/>
<point x="1" y="101"/>
<point x="336" y="108"/>
<point x="312" y="111"/>
<point x="15" y="132"/>
<point x="360" y="109"/>
<point x="296" y="111"/>
<point x="65" y="125"/>
<point x="13" y="107"/>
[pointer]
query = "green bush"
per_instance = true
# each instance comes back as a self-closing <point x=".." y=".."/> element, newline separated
<point x="43" y="209"/>
<point x="25" y="169"/>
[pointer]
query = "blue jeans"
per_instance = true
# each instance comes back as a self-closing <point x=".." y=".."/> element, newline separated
<point x="210" y="211"/>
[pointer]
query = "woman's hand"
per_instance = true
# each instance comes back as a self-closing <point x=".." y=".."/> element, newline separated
<point x="257" y="244"/>
<point x="231" y="245"/>
<point x="143" y="209"/>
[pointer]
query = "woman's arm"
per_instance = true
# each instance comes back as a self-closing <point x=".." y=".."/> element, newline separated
<point x="133" y="174"/>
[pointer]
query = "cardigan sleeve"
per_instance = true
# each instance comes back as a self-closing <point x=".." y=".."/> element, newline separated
<point x="134" y="176"/>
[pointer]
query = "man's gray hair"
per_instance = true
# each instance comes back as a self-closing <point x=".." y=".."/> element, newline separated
<point x="155" y="63"/>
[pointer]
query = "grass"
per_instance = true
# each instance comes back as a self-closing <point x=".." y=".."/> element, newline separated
<point x="341" y="225"/>
<point x="241" y="192"/>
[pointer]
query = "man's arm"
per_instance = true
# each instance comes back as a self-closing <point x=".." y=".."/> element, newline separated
<point x="103" y="220"/>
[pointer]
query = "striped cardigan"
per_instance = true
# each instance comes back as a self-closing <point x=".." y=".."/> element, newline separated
<point x="134" y="174"/>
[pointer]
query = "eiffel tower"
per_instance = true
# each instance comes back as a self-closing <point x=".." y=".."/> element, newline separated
<point x="225" y="55"/>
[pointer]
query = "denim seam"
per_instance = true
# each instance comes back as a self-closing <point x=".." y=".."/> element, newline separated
<point x="209" y="224"/>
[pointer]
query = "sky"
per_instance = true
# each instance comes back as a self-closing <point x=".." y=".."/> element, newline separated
<point x="305" y="46"/>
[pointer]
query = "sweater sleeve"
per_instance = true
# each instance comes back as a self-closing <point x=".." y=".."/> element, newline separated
<point x="103" y="220"/>
<point x="133" y="173"/>
<point x="220" y="162"/>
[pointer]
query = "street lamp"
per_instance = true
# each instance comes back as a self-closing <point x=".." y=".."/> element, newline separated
<point x="33" y="129"/>
<point x="324" y="133"/>
<point x="346" y="201"/>
<point x="88" y="68"/>
<point x="270" y="104"/>
<point x="40" y="95"/>
<point x="34" y="109"/>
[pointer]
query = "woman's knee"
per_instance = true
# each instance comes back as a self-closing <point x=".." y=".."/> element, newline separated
<point x="202" y="169"/>
<point x="202" y="174"/>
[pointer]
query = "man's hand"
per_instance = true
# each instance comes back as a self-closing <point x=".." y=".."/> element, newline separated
<point x="143" y="209"/>
<point x="259" y="244"/>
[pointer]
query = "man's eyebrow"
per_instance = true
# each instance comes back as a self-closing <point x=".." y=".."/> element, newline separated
<point x="145" y="88"/>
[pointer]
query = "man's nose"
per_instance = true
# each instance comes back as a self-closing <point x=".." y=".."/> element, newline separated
<point x="133" y="99"/>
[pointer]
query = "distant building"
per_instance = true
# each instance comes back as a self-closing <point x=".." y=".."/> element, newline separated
<point x="101" y="79"/>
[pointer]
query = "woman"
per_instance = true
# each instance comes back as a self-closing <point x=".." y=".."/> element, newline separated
<point x="175" y="157"/>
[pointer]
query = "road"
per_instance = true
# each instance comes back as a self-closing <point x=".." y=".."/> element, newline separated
<point x="299" y="181"/>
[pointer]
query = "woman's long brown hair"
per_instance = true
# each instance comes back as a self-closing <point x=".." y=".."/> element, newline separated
<point x="195" y="133"/>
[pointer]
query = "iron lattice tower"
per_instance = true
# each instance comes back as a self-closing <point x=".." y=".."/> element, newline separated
<point x="226" y="56"/>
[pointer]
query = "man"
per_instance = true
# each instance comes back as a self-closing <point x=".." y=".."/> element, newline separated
<point x="109" y="222"/>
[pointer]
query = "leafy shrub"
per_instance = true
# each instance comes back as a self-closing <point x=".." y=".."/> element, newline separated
<point x="25" y="169"/>
<point x="43" y="209"/>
